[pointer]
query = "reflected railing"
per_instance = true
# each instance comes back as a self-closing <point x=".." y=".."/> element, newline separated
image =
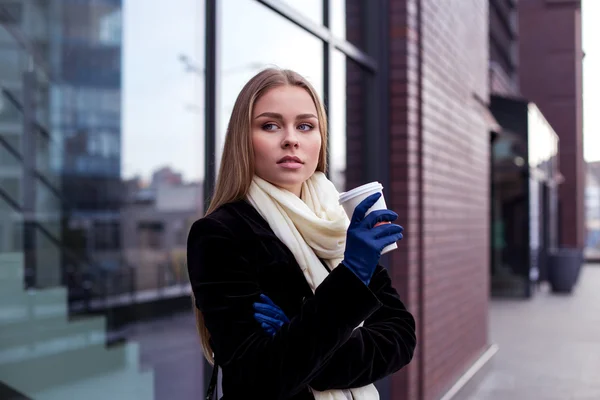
<point x="92" y="286"/>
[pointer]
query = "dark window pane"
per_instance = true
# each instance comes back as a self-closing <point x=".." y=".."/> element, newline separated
<point x="347" y="21"/>
<point x="348" y="121"/>
<point x="337" y="118"/>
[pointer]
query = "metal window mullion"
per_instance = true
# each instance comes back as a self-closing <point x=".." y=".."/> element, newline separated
<point x="210" y="121"/>
<point x="357" y="55"/>
<point x="210" y="96"/>
<point x="28" y="185"/>
<point x="327" y="54"/>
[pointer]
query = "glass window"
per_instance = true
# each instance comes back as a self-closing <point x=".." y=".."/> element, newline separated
<point x="9" y="113"/>
<point x="118" y="146"/>
<point x="245" y="55"/>
<point x="9" y="160"/>
<point x="313" y="9"/>
<point x="347" y="121"/>
<point x="11" y="13"/>
<point x="337" y="121"/>
<point x="10" y="184"/>
<point x="347" y="21"/>
<point x="509" y="208"/>
<point x="11" y="63"/>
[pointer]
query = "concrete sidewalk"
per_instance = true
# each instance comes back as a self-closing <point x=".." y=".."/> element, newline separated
<point x="549" y="345"/>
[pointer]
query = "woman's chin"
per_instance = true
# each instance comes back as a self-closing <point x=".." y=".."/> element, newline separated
<point x="292" y="185"/>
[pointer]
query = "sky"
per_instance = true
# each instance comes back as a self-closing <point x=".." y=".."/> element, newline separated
<point x="162" y="125"/>
<point x="590" y="15"/>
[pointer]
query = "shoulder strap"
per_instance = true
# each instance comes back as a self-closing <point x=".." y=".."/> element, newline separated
<point x="212" y="385"/>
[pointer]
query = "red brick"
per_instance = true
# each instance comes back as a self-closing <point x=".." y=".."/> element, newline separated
<point x="452" y="210"/>
<point x="550" y="74"/>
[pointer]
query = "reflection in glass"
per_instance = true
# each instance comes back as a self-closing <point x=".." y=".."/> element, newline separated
<point x="101" y="170"/>
<point x="346" y="117"/>
<point x="348" y="121"/>
<point x="337" y="121"/>
<point x="313" y="9"/>
<point x="245" y="55"/>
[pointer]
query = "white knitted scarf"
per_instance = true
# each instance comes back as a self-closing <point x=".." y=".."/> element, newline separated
<point x="312" y="227"/>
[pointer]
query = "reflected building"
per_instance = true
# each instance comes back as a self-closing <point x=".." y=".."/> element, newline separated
<point x="155" y="220"/>
<point x="86" y="111"/>
<point x="30" y="181"/>
<point x="36" y="333"/>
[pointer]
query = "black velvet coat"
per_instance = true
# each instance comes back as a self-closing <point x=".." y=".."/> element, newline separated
<point x="233" y="257"/>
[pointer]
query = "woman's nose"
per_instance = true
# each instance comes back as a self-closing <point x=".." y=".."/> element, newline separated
<point x="290" y="139"/>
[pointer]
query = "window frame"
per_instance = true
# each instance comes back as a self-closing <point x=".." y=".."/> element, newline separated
<point x="373" y="58"/>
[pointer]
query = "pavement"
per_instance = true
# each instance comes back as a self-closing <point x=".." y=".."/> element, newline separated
<point x="549" y="346"/>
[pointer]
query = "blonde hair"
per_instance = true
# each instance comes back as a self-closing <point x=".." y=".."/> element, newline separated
<point x="237" y="163"/>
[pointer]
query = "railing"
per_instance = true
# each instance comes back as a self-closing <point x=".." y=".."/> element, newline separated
<point x="91" y="286"/>
<point x="86" y="280"/>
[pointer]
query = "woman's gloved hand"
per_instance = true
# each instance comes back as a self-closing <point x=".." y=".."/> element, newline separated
<point x="270" y="317"/>
<point x="365" y="241"/>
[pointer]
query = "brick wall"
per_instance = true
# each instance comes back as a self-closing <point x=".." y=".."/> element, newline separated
<point x="442" y="197"/>
<point x="551" y="76"/>
<point x="456" y="188"/>
<point x="404" y="197"/>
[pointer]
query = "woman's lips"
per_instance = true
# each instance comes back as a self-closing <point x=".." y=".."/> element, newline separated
<point x="290" y="164"/>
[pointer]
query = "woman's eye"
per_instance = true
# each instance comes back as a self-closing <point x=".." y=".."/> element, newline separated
<point x="305" y="127"/>
<point x="269" y="127"/>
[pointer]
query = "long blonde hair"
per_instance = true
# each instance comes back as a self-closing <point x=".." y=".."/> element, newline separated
<point x="237" y="163"/>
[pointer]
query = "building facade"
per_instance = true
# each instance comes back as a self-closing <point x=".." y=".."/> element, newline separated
<point x="134" y="98"/>
<point x="536" y="59"/>
<point x="504" y="47"/>
<point x="551" y="75"/>
<point x="439" y="181"/>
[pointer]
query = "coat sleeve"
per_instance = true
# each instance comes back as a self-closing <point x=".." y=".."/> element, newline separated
<point x="382" y="346"/>
<point x="254" y="363"/>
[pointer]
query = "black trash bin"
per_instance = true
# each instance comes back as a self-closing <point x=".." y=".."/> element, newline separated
<point x="564" y="266"/>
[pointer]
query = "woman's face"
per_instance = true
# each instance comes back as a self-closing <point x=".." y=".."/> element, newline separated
<point x="285" y="137"/>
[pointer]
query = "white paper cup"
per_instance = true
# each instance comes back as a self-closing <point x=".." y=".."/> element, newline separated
<point x="350" y="199"/>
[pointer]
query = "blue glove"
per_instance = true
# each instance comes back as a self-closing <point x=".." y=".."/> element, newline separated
<point x="270" y="317"/>
<point x="365" y="241"/>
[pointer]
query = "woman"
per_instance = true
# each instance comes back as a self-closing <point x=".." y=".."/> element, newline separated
<point x="289" y="295"/>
